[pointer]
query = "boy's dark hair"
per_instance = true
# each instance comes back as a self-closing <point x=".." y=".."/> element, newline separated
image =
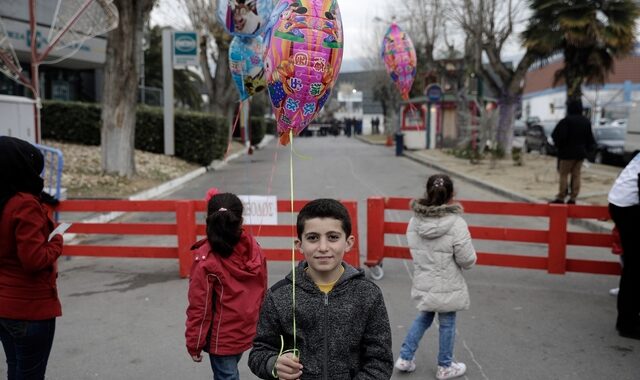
<point x="439" y="190"/>
<point x="224" y="222"/>
<point x="324" y="208"/>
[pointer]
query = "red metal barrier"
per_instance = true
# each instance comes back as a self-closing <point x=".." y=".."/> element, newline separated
<point x="184" y="228"/>
<point x="557" y="237"/>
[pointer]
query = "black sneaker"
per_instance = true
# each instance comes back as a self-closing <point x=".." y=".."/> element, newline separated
<point x="571" y="202"/>
<point x="557" y="201"/>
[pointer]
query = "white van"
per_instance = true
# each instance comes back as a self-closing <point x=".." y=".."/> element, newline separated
<point x="632" y="138"/>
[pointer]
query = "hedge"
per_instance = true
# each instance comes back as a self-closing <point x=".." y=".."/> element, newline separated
<point x="200" y="137"/>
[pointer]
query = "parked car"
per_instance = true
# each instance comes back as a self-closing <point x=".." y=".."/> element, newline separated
<point x="619" y="123"/>
<point x="610" y="145"/>
<point x="532" y="120"/>
<point x="538" y="137"/>
<point x="519" y="128"/>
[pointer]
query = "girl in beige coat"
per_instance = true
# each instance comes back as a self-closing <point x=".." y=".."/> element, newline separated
<point x="441" y="247"/>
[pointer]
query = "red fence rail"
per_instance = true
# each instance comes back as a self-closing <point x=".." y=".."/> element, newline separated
<point x="557" y="237"/>
<point x="185" y="228"/>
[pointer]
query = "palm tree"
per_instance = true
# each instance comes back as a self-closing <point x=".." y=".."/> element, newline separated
<point x="588" y="33"/>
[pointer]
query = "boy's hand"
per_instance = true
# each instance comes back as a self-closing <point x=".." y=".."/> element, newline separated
<point x="288" y="367"/>
<point x="196" y="358"/>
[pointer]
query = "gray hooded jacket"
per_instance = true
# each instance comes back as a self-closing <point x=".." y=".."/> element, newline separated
<point x="342" y="335"/>
<point x="441" y="247"/>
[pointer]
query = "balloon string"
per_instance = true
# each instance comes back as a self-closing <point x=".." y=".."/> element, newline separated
<point x="247" y="160"/>
<point x="300" y="156"/>
<point x="223" y="179"/>
<point x="269" y="185"/>
<point x="293" y="249"/>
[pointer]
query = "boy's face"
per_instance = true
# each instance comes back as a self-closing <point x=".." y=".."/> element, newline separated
<point x="323" y="245"/>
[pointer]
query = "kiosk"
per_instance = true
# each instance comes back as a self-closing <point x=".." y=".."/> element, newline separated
<point x="413" y="123"/>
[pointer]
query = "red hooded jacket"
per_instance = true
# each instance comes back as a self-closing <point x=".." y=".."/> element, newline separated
<point x="225" y="296"/>
<point x="28" y="268"/>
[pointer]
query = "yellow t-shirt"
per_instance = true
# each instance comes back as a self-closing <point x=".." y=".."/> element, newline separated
<point x="326" y="288"/>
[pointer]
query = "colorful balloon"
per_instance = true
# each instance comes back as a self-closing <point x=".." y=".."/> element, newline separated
<point x="245" y="63"/>
<point x="244" y="18"/>
<point x="302" y="60"/>
<point x="399" y="58"/>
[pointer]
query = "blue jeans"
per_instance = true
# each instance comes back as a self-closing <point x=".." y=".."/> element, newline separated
<point x="225" y="367"/>
<point x="420" y="325"/>
<point x="27" y="345"/>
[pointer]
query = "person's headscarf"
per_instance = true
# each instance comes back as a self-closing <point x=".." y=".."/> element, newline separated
<point x="20" y="166"/>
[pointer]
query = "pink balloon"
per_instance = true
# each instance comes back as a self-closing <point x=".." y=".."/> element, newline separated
<point x="302" y="61"/>
<point x="400" y="59"/>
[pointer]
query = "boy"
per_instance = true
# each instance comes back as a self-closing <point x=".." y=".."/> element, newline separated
<point x="341" y="322"/>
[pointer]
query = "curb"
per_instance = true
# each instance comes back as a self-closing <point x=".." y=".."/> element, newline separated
<point x="591" y="225"/>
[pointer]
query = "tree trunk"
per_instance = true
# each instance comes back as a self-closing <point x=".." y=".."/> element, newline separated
<point x="224" y="96"/>
<point x="507" y="108"/>
<point x="206" y="70"/>
<point x="121" y="88"/>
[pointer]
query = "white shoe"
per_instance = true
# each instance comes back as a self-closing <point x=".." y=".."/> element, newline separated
<point x="406" y="365"/>
<point x="614" y="291"/>
<point x="455" y="370"/>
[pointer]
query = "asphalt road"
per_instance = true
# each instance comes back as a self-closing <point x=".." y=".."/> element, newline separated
<point x="124" y="319"/>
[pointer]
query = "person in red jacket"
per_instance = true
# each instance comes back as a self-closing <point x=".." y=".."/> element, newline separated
<point x="226" y="288"/>
<point x="29" y="301"/>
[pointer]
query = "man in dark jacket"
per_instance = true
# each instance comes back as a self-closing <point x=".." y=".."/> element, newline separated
<point x="574" y="140"/>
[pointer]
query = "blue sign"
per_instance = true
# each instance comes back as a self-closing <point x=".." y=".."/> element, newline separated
<point x="433" y="93"/>
<point x="185" y="49"/>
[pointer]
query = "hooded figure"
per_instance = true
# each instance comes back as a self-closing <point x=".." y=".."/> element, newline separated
<point x="227" y="283"/>
<point x="28" y="271"/>
<point x="20" y="165"/>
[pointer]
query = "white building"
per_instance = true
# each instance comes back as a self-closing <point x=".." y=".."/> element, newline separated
<point x="610" y="101"/>
<point x="78" y="77"/>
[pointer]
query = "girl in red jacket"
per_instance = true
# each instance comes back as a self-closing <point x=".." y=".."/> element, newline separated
<point x="226" y="287"/>
<point x="29" y="300"/>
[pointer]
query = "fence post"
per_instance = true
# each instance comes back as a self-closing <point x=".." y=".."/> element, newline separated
<point x="375" y="231"/>
<point x="186" y="228"/>
<point x="354" y="256"/>
<point x="558" y="218"/>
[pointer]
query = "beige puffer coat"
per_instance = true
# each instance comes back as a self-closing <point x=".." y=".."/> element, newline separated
<point x="441" y="247"/>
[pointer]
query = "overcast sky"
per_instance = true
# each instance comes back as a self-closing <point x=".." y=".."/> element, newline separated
<point x="357" y="22"/>
<point x="361" y="34"/>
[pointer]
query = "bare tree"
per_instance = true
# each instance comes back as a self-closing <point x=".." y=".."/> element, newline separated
<point x="121" y="87"/>
<point x="426" y="22"/>
<point x="490" y="26"/>
<point x="214" y="46"/>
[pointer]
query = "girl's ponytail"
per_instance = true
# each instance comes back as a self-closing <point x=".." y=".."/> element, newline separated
<point x="224" y="223"/>
<point x="439" y="190"/>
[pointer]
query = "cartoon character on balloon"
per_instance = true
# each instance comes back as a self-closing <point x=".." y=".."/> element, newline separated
<point x="302" y="61"/>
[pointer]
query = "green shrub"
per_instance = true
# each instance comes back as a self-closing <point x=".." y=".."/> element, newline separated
<point x="200" y="137"/>
<point x="72" y="122"/>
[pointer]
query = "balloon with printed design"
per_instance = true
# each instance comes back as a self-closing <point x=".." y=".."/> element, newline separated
<point x="245" y="63"/>
<point x="302" y="60"/>
<point x="244" y="18"/>
<point x="399" y="57"/>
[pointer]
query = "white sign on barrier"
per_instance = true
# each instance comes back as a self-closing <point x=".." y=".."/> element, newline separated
<point x="260" y="209"/>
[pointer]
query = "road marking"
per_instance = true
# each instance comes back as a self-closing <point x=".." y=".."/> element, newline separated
<point x="473" y="357"/>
